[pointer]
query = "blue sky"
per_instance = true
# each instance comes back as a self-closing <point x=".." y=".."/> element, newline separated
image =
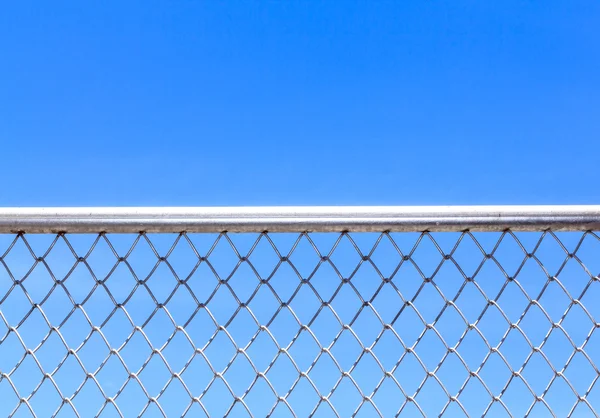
<point x="299" y="102"/>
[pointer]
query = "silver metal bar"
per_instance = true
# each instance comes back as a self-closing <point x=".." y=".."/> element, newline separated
<point x="299" y="219"/>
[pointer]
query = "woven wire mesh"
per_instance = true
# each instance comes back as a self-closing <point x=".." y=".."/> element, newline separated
<point x="281" y="324"/>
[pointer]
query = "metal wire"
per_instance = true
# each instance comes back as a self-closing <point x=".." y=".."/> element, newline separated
<point x="300" y="324"/>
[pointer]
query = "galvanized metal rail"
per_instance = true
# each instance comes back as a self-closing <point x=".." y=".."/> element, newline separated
<point x="299" y="219"/>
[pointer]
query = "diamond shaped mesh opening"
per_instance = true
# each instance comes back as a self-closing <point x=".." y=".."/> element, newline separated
<point x="283" y="324"/>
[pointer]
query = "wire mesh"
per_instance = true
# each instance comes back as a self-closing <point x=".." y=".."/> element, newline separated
<point x="282" y="324"/>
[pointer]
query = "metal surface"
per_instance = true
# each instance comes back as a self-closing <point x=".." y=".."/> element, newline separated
<point x="300" y="323"/>
<point x="299" y="219"/>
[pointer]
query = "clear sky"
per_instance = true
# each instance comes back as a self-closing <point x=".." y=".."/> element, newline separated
<point x="299" y="102"/>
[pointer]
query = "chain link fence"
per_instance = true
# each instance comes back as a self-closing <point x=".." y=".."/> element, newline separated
<point x="301" y="324"/>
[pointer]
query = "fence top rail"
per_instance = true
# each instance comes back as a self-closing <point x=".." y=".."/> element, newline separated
<point x="298" y="219"/>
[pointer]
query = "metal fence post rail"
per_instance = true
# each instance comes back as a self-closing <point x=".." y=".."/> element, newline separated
<point x="300" y="311"/>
